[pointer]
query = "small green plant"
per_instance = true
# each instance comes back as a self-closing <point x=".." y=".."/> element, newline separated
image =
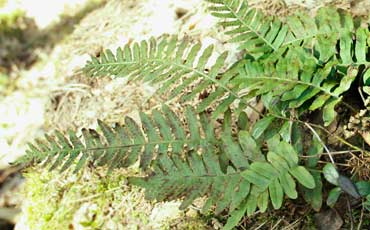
<point x="343" y="184"/>
<point x="295" y="66"/>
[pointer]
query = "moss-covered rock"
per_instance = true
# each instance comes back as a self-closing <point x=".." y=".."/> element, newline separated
<point x="94" y="200"/>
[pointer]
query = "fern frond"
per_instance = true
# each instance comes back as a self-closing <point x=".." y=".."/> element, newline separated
<point x="194" y="177"/>
<point x="295" y="79"/>
<point x="302" y="81"/>
<point x="122" y="146"/>
<point x="328" y="51"/>
<point x="257" y="33"/>
<point x="175" y="65"/>
<point x="164" y="61"/>
<point x="200" y="175"/>
<point x="323" y="30"/>
<point x="294" y="65"/>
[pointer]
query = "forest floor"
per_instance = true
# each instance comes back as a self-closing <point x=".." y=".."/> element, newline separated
<point x="42" y="88"/>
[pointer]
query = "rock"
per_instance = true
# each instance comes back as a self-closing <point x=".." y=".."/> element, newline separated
<point x="360" y="7"/>
<point x="328" y="220"/>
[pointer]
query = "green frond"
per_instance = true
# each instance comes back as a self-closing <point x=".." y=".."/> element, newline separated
<point x="161" y="132"/>
<point x="353" y="47"/>
<point x="200" y="174"/>
<point x="197" y="176"/>
<point x="301" y="81"/>
<point x="314" y="196"/>
<point x="156" y="61"/>
<point x="323" y="30"/>
<point x="366" y="81"/>
<point x="256" y="33"/>
<point x="174" y="65"/>
<point x="294" y="79"/>
<point x="260" y="35"/>
<point x="298" y="75"/>
<point x="312" y="68"/>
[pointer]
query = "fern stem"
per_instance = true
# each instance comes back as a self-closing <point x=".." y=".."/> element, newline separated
<point x="61" y="151"/>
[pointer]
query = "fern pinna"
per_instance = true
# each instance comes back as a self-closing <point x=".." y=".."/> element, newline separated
<point x="294" y="65"/>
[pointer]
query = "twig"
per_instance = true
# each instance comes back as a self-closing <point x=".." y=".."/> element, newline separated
<point x="192" y="206"/>
<point x="325" y="162"/>
<point x="334" y="153"/>
<point x="7" y="172"/>
<point x="292" y="225"/>
<point x="322" y="143"/>
<point x="350" y="212"/>
<point x="361" y="218"/>
<point x="277" y="224"/>
<point x="261" y="225"/>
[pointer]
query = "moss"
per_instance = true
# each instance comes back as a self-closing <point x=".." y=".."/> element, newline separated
<point x="42" y="207"/>
<point x="93" y="200"/>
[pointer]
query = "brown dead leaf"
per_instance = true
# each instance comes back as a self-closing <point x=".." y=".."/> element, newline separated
<point x="366" y="136"/>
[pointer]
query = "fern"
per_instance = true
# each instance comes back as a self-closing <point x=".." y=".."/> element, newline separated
<point x="255" y="184"/>
<point x="168" y="62"/>
<point x="302" y="83"/>
<point x="183" y="172"/>
<point x="154" y="62"/>
<point x="294" y="65"/>
<point x="260" y="35"/>
<point x="122" y="146"/>
<point x="256" y="33"/>
<point x="322" y="31"/>
<point x="306" y="83"/>
<point x="304" y="59"/>
<point x="301" y="74"/>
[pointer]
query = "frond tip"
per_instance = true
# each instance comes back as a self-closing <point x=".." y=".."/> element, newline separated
<point x="257" y="33"/>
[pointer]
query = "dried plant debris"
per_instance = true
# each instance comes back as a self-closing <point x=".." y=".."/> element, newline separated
<point x="359" y="165"/>
<point x="360" y="124"/>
